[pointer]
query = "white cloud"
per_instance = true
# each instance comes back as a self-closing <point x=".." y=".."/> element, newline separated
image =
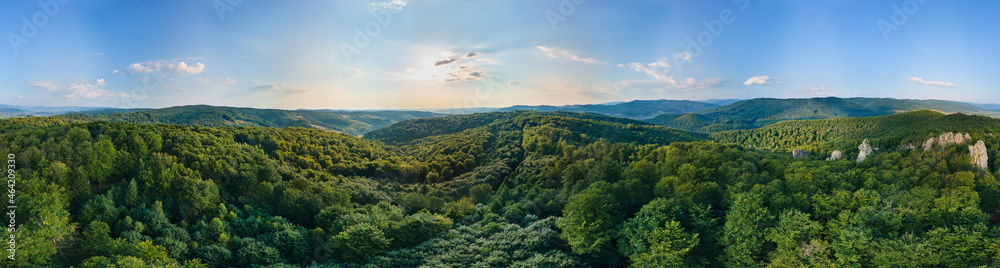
<point x="921" y="81"/>
<point x="222" y="81"/>
<point x="43" y="85"/>
<point x="81" y="89"/>
<point x="555" y="53"/>
<point x="165" y="66"/>
<point x="20" y="97"/>
<point x="763" y="80"/>
<point x="282" y="87"/>
<point x="356" y="72"/>
<point x="392" y="4"/>
<point x="683" y="56"/>
<point x="87" y="90"/>
<point x="660" y="71"/>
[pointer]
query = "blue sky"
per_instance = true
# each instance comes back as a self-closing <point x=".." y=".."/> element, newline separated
<point x="452" y="53"/>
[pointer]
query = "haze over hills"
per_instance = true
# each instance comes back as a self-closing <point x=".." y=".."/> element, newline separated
<point x="761" y="112"/>
<point x="682" y="114"/>
<point x="637" y="109"/>
<point x="350" y="122"/>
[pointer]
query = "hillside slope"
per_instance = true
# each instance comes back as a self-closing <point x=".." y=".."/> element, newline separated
<point x="350" y="122"/>
<point x="595" y="125"/>
<point x="896" y="130"/>
<point x="637" y="109"/>
<point x="761" y="112"/>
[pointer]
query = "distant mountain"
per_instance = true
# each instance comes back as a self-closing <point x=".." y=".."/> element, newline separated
<point x="721" y="102"/>
<point x="637" y="109"/>
<point x="761" y="112"/>
<point x="7" y="111"/>
<point x="350" y="122"/>
<point x="988" y="106"/>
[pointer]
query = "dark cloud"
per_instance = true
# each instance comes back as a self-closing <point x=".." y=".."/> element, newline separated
<point x="450" y="61"/>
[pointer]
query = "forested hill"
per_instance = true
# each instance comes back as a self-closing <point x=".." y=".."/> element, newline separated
<point x="350" y="122"/>
<point x="761" y="112"/>
<point x="595" y="125"/>
<point x="637" y="109"/>
<point x="891" y="131"/>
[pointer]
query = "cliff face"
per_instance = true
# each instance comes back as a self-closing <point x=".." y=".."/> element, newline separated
<point x="979" y="156"/>
<point x="947" y="139"/>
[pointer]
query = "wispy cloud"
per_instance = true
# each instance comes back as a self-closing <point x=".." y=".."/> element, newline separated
<point x="356" y="72"/>
<point x="281" y="87"/>
<point x="43" y="85"/>
<point x="164" y="66"/>
<point x="450" y="68"/>
<point x="453" y="60"/>
<point x="816" y="91"/>
<point x="660" y="71"/>
<point x="762" y="80"/>
<point x="392" y="4"/>
<point x="555" y="53"/>
<point x="921" y="81"/>
<point x="82" y="89"/>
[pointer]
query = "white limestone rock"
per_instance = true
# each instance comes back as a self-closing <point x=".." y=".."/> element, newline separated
<point x="979" y="156"/>
<point x="836" y="155"/>
<point x="866" y="151"/>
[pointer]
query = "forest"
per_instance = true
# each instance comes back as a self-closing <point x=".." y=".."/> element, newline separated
<point x="503" y="189"/>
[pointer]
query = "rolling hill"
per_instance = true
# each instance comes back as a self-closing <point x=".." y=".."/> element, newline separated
<point x="350" y="122"/>
<point x="637" y="109"/>
<point x="594" y="125"/>
<point x="761" y="112"/>
<point x="895" y="130"/>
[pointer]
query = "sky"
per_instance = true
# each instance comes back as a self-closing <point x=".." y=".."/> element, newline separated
<point x="421" y="54"/>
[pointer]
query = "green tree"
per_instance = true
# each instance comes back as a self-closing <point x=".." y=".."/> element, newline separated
<point x="743" y="233"/>
<point x="668" y="247"/>
<point x="358" y="242"/>
<point x="590" y="218"/>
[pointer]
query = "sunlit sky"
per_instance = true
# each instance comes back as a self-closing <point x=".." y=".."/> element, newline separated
<point x="412" y="54"/>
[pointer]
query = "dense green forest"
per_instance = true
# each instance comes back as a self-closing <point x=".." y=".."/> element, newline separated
<point x="350" y="122"/>
<point x="505" y="189"/>
<point x="755" y="113"/>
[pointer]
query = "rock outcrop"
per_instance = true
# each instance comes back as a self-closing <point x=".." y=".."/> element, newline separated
<point x="979" y="157"/>
<point x="947" y="139"/>
<point x="929" y="143"/>
<point x="799" y="153"/>
<point x="836" y="155"/>
<point x="866" y="151"/>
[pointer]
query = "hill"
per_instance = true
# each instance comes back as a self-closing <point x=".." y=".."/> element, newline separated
<point x="637" y="109"/>
<point x="761" y="112"/>
<point x="350" y="122"/>
<point x="896" y="130"/>
<point x="595" y="125"/>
